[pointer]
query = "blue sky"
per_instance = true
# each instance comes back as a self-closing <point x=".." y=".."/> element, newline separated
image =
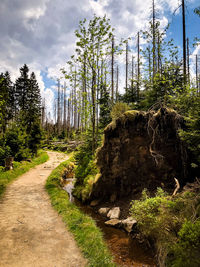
<point x="40" y="33"/>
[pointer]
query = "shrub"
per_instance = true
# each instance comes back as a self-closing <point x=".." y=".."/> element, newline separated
<point x="186" y="251"/>
<point x="118" y="109"/>
<point x="161" y="219"/>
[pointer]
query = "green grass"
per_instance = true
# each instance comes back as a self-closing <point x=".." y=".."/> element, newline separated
<point x="8" y="176"/>
<point x="87" y="235"/>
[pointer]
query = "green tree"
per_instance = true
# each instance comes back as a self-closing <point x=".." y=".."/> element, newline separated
<point x="22" y="86"/>
<point x="93" y="45"/>
<point x="7" y="100"/>
<point x="28" y="102"/>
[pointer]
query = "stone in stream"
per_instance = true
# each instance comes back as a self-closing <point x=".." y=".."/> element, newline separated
<point x="114" y="213"/>
<point x="128" y="224"/>
<point x="114" y="223"/>
<point x="103" y="211"/>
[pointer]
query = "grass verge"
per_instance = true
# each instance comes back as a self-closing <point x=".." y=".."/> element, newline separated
<point x="87" y="235"/>
<point x="8" y="176"/>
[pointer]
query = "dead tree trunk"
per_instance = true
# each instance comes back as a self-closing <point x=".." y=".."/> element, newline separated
<point x="184" y="43"/>
<point x="75" y="101"/>
<point x="126" y="85"/>
<point x="65" y="115"/>
<point x="138" y="65"/>
<point x="197" y="82"/>
<point x="58" y="109"/>
<point x="112" y="72"/>
<point x="117" y="84"/>
<point x="154" y="43"/>
<point x="188" y="61"/>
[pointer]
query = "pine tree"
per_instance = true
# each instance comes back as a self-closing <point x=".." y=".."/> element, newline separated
<point x="8" y="100"/>
<point x="21" y="89"/>
<point x="33" y="114"/>
<point x="28" y="101"/>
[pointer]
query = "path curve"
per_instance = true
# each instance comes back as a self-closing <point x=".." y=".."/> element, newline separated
<point x="31" y="232"/>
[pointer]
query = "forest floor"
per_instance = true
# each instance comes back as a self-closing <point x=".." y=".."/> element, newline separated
<point x="31" y="231"/>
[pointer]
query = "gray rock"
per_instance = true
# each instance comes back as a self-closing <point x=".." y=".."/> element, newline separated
<point x="114" y="223"/>
<point x="103" y="211"/>
<point x="114" y="213"/>
<point x="128" y="224"/>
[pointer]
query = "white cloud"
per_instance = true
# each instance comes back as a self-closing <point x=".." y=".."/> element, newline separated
<point x="40" y="33"/>
<point x="49" y="101"/>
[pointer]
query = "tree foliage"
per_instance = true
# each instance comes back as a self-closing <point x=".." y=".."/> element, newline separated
<point x="20" y="112"/>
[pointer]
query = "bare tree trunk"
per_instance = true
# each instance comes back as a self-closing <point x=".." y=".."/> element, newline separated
<point x="159" y="55"/>
<point x="184" y="43"/>
<point x="138" y="65"/>
<point x="149" y="59"/>
<point x="62" y="107"/>
<point x="126" y="86"/>
<point x="132" y="77"/>
<point x="93" y="109"/>
<point x="154" y="43"/>
<point x="58" y="109"/>
<point x="68" y="116"/>
<point x="84" y="92"/>
<point x="112" y="72"/>
<point x="65" y="115"/>
<point x="105" y="77"/>
<point x="75" y="102"/>
<point x="188" y="61"/>
<point x="197" y="83"/>
<point x="97" y="96"/>
<point x="132" y="71"/>
<point x="55" y="111"/>
<point x="117" y="84"/>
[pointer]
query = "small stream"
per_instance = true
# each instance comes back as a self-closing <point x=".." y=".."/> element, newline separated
<point x="127" y="252"/>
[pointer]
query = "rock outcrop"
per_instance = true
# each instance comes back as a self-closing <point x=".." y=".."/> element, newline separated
<point x="141" y="150"/>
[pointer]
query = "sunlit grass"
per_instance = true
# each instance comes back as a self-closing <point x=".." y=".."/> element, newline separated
<point x="87" y="235"/>
<point x="8" y="176"/>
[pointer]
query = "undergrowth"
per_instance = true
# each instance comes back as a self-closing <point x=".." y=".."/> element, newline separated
<point x="172" y="224"/>
<point x="84" y="229"/>
<point x="19" y="168"/>
<point x="86" y="172"/>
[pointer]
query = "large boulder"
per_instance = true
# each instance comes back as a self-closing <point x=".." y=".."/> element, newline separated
<point x="142" y="150"/>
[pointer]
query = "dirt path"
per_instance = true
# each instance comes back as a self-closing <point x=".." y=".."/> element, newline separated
<point x="31" y="232"/>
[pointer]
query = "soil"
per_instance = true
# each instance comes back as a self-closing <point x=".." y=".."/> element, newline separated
<point x="31" y="232"/>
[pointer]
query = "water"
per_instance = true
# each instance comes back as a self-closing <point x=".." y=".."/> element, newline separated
<point x="69" y="187"/>
<point x="127" y="252"/>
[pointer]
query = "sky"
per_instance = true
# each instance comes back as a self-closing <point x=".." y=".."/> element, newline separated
<point x="40" y="33"/>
